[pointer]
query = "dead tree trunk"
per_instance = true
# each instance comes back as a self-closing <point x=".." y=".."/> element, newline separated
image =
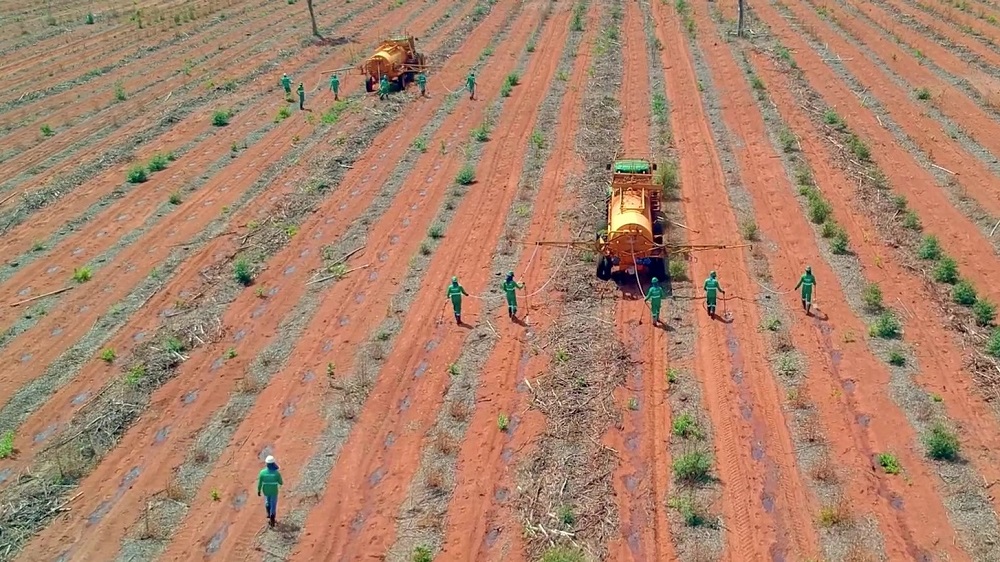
<point x="312" y="16"/>
<point x="739" y="26"/>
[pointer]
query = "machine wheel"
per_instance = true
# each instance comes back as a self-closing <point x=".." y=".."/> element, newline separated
<point x="658" y="269"/>
<point x="604" y="268"/>
<point x="369" y="85"/>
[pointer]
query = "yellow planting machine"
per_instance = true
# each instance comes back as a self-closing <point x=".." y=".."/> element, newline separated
<point x="395" y="58"/>
<point x="633" y="236"/>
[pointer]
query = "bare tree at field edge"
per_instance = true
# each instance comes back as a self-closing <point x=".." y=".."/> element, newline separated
<point x="312" y="16"/>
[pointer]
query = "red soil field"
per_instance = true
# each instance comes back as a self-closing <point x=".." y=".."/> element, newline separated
<point x="277" y="285"/>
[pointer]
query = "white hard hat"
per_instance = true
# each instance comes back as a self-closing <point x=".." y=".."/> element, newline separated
<point x="269" y="460"/>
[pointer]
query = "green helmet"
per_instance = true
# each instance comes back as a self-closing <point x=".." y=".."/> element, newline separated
<point x="712" y="275"/>
<point x="809" y="269"/>
<point x="655" y="281"/>
<point x="454" y="280"/>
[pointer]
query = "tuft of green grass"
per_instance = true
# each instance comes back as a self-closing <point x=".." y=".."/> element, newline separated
<point x="945" y="271"/>
<point x="963" y="293"/>
<point x="831" y="118"/>
<point x="503" y="422"/>
<point x="422" y="554"/>
<point x="942" y="444"/>
<point x="538" y="139"/>
<point x="771" y="323"/>
<point x="668" y="177"/>
<point x="819" y="209"/>
<point x="839" y="244"/>
<point x="82" y="274"/>
<point x="453" y="369"/>
<point x="566" y="516"/>
<point x="748" y="229"/>
<point x="672" y="375"/>
<point x="7" y="445"/>
<point x="929" y="248"/>
<point x="136" y="174"/>
<point x="859" y="148"/>
<point x="689" y="512"/>
<point x="788" y="140"/>
<point x="158" y="162"/>
<point x="513" y="79"/>
<point x="174" y="345"/>
<point x="332" y="115"/>
<point x="283" y="113"/>
<point x="243" y="272"/>
<point x="436" y="232"/>
<point x="47" y="130"/>
<point x="871" y="296"/>
<point x="757" y="83"/>
<point x="220" y="117"/>
<point x="889" y="463"/>
<point x="678" y="271"/>
<point x="693" y="467"/>
<point x="135" y="375"/>
<point x="563" y="553"/>
<point x="120" y="94"/>
<point x="420" y="144"/>
<point x="833" y="515"/>
<point x="685" y="426"/>
<point x="911" y="221"/>
<point x="923" y="94"/>
<point x="984" y="311"/>
<point x="505" y="90"/>
<point x="481" y="133"/>
<point x="897" y="358"/>
<point x="231" y="353"/>
<point x="886" y="326"/>
<point x="466" y="175"/>
<point x="175" y="198"/>
<point x="108" y="355"/>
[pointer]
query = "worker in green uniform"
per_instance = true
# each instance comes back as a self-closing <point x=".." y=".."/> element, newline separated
<point x="455" y="292"/>
<point x="508" y="287"/>
<point x="383" y="87"/>
<point x="807" y="282"/>
<point x="654" y="296"/>
<point x="711" y="287"/>
<point x="422" y="83"/>
<point x="302" y="96"/>
<point x="286" y="83"/>
<point x="268" y="482"/>
<point x="470" y="83"/>
<point x="335" y="87"/>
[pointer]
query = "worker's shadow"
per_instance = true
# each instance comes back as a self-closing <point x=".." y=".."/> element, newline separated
<point x="333" y="41"/>
<point x="818" y="315"/>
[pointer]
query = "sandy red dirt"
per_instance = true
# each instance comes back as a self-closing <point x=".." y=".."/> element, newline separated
<point x="768" y="506"/>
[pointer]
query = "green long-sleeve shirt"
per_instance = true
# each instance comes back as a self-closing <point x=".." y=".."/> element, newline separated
<point x="655" y="293"/>
<point x="455" y="292"/>
<point x="711" y="287"/>
<point x="807" y="282"/>
<point x="268" y="482"/>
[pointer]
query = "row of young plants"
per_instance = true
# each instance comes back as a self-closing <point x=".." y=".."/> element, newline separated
<point x="697" y="529"/>
<point x="902" y="227"/>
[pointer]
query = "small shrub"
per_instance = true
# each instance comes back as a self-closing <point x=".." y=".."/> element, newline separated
<point x="748" y="229"/>
<point x="819" y="209"/>
<point x="108" y="355"/>
<point x="668" y="177"/>
<point x="889" y="463"/>
<point x="175" y="198"/>
<point x="466" y="175"/>
<point x="137" y="174"/>
<point x="47" y="130"/>
<point x="942" y="444"/>
<point x="530" y="47"/>
<point x="538" y="139"/>
<point x="839" y="244"/>
<point x="923" y="94"/>
<point x="563" y="553"/>
<point x="946" y="271"/>
<point x="425" y="249"/>
<point x="506" y="90"/>
<point x="481" y="133"/>
<point x="834" y="515"/>
<point x="788" y="140"/>
<point x="566" y="516"/>
<point x="693" y="467"/>
<point x="911" y="221"/>
<point x="899" y="202"/>
<point x="757" y="83"/>
<point x="886" y="326"/>
<point x="829" y="229"/>
<point x="220" y="118"/>
<point x="678" y="271"/>
<point x="436" y="232"/>
<point x="503" y="422"/>
<point x="772" y="323"/>
<point x="689" y="512"/>
<point x="871" y="296"/>
<point x="82" y="274"/>
<point x="672" y="375"/>
<point x="7" y="445"/>
<point x="830" y="117"/>
<point x="135" y="375"/>
<point x="984" y="311"/>
<point x="685" y="426"/>
<point x="993" y="344"/>
<point x="786" y="365"/>
<point x="964" y="293"/>
<point x="283" y="113"/>
<point x="513" y="79"/>
<point x="897" y="358"/>
<point x="120" y="92"/>
<point x="859" y="148"/>
<point x="929" y="248"/>
<point x="422" y="554"/>
<point x="420" y="144"/>
<point x="158" y="162"/>
<point x="243" y="272"/>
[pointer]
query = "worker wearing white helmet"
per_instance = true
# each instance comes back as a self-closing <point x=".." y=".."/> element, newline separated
<point x="268" y="482"/>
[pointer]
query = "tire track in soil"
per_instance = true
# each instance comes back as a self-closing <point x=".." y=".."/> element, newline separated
<point x="207" y="202"/>
<point x="482" y="468"/>
<point x="79" y="53"/>
<point x="102" y="124"/>
<point x="100" y="112"/>
<point x="178" y="390"/>
<point x="57" y="187"/>
<point x="748" y="411"/>
<point x="917" y="184"/>
<point x="362" y="519"/>
<point x="934" y="347"/>
<point x="858" y="374"/>
<point x="640" y="488"/>
<point x="55" y="413"/>
<point x="930" y="135"/>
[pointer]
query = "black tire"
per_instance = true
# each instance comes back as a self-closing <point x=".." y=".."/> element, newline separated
<point x="401" y="81"/>
<point x="604" y="268"/>
<point x="369" y="85"/>
<point x="658" y="269"/>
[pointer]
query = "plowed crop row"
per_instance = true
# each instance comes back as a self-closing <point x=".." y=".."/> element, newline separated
<point x="278" y="288"/>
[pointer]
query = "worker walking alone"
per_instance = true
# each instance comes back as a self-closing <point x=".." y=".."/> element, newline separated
<point x="383" y="87"/>
<point x="711" y="287"/>
<point x="807" y="282"/>
<point x="268" y="482"/>
<point x="455" y="292"/>
<point x="654" y="296"/>
<point x="335" y="87"/>
<point x="422" y="83"/>
<point x="509" y="287"/>
<point x="470" y="83"/>
<point x="302" y="96"/>
<point x="286" y="83"/>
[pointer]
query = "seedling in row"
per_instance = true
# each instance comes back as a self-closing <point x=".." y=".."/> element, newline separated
<point x="503" y="422"/>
